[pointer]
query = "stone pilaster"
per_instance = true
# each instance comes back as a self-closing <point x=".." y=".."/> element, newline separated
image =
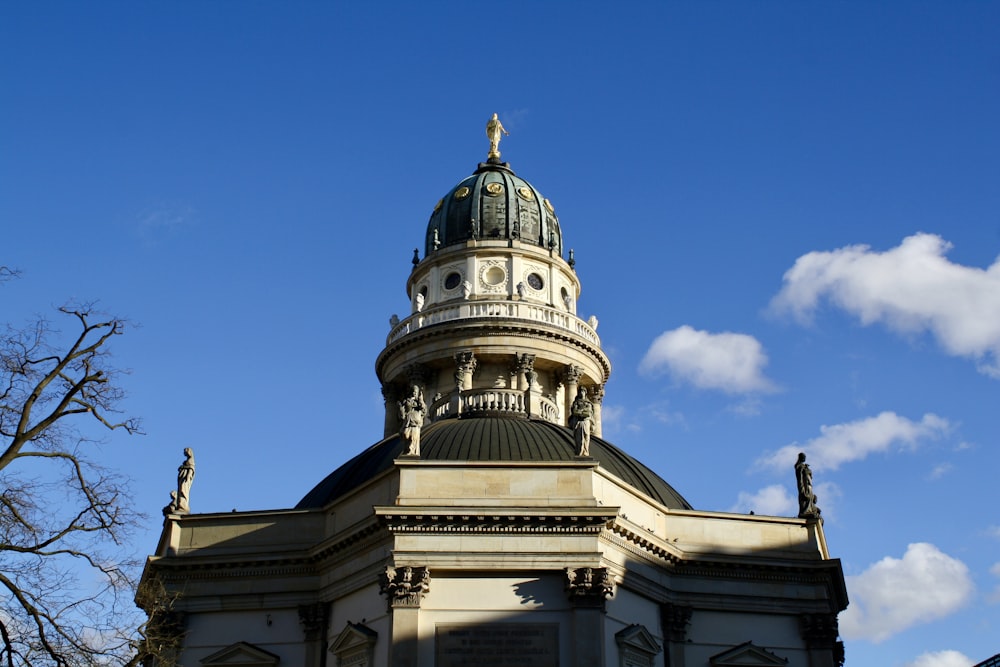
<point x="404" y="589"/>
<point x="820" y="632"/>
<point x="588" y="588"/>
<point x="676" y="619"/>
<point x="314" y="618"/>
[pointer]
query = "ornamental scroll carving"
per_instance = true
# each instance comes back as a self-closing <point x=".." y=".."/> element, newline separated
<point x="589" y="586"/>
<point x="405" y="586"/>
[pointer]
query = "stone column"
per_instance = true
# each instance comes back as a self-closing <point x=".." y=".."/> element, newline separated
<point x="675" y="619"/>
<point x="391" y="396"/>
<point x="404" y="589"/>
<point x="571" y="382"/>
<point x="465" y="367"/>
<point x="820" y="633"/>
<point x="314" y="619"/>
<point x="596" y="396"/>
<point x="524" y="365"/>
<point x="588" y="588"/>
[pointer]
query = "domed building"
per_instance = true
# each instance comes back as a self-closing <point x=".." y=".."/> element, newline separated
<point x="492" y="525"/>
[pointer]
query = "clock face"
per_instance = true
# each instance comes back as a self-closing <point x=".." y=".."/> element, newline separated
<point x="535" y="281"/>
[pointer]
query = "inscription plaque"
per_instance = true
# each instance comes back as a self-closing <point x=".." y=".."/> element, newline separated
<point x="497" y="645"/>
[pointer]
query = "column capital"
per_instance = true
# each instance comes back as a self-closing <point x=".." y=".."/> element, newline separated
<point x="589" y="586"/>
<point x="405" y="587"/>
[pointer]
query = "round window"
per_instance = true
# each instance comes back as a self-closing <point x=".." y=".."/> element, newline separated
<point x="494" y="275"/>
<point x="535" y="281"/>
<point x="452" y="280"/>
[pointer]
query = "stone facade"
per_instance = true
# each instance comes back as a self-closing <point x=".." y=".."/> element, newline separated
<point x="499" y="548"/>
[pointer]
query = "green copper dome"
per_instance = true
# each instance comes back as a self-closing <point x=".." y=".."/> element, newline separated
<point x="498" y="439"/>
<point x="494" y="204"/>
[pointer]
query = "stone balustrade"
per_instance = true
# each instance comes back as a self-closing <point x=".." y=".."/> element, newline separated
<point x="507" y="310"/>
<point x="496" y="401"/>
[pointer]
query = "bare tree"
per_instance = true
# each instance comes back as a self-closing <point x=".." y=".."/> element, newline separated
<point x="65" y="588"/>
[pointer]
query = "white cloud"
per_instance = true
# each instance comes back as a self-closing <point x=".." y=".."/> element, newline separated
<point x="895" y="594"/>
<point x="777" y="500"/>
<point x="911" y="288"/>
<point x="611" y="415"/>
<point x="853" y="441"/>
<point x="774" y="500"/>
<point x="995" y="596"/>
<point x="941" y="659"/>
<point x="940" y="470"/>
<point x="729" y="362"/>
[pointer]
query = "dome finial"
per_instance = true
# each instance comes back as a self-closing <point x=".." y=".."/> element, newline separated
<point x="493" y="129"/>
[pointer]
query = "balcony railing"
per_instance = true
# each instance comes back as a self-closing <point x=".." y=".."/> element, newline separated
<point x="506" y="310"/>
<point x="494" y="401"/>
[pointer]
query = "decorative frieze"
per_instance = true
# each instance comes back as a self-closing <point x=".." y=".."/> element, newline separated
<point x="589" y="586"/>
<point x="405" y="587"/>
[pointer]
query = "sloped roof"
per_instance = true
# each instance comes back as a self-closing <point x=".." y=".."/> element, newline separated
<point x="492" y="439"/>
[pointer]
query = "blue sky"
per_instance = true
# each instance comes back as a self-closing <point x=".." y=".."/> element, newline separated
<point x="785" y="215"/>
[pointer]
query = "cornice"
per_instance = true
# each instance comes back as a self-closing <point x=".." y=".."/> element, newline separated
<point x="588" y="521"/>
<point x="656" y="551"/>
<point x="491" y="327"/>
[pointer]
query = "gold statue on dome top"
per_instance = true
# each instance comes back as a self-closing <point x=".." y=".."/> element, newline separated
<point x="493" y="129"/>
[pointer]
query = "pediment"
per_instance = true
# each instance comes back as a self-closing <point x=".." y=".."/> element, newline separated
<point x="638" y="638"/>
<point x="241" y="654"/>
<point x="746" y="655"/>
<point x="354" y="635"/>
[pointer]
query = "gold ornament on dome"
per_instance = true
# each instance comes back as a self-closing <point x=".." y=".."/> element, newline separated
<point x="494" y="189"/>
<point x="526" y="193"/>
<point x="437" y="206"/>
<point x="493" y="130"/>
<point x="462" y="192"/>
<point x="548" y="205"/>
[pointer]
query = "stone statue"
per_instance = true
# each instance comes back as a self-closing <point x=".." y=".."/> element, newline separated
<point x="568" y="300"/>
<point x="411" y="414"/>
<point x="466" y="289"/>
<point x="171" y="507"/>
<point x="581" y="421"/>
<point x="420" y="302"/>
<point x="592" y="321"/>
<point x="493" y="129"/>
<point x="521" y="289"/>
<point x="804" y="480"/>
<point x="394" y="320"/>
<point x="180" y="500"/>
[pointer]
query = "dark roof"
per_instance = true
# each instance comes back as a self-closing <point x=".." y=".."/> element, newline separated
<point x="494" y="203"/>
<point x="492" y="439"/>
